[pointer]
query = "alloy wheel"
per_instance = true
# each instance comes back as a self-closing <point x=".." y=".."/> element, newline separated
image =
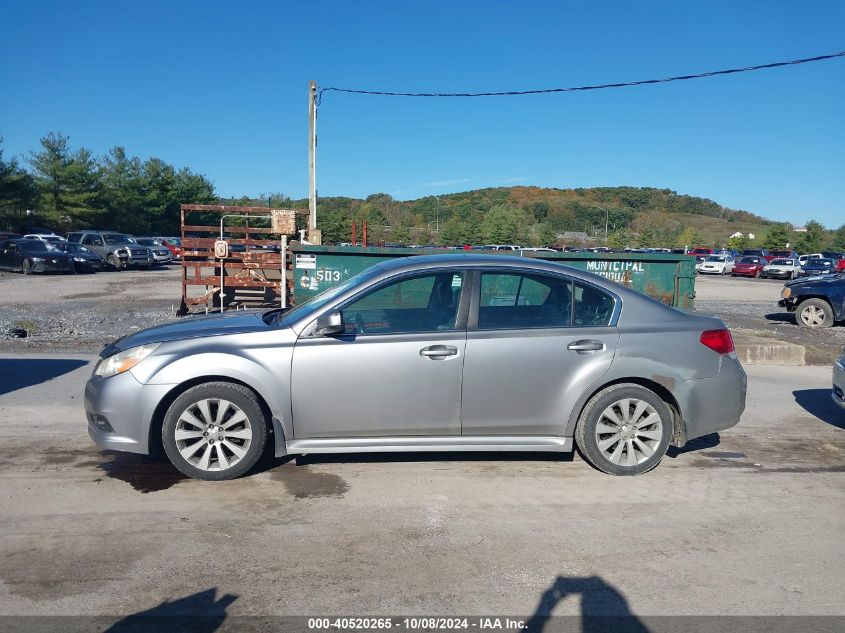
<point x="628" y="432"/>
<point x="213" y="434"/>
<point x="812" y="316"/>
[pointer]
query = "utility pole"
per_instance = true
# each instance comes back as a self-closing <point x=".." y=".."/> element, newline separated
<point x="313" y="234"/>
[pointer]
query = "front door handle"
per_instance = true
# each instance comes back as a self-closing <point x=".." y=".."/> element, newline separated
<point x="585" y="346"/>
<point x="439" y="351"/>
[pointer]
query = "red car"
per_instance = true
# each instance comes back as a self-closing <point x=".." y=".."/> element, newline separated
<point x="173" y="244"/>
<point x="749" y="266"/>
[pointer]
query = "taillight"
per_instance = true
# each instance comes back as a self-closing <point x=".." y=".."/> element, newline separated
<point x="720" y="341"/>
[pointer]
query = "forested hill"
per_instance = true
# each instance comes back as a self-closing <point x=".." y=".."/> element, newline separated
<point x="642" y="216"/>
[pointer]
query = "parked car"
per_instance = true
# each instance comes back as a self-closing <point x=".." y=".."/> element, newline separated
<point x="33" y="256"/>
<point x="817" y="266"/>
<point x="537" y="250"/>
<point x="161" y="254"/>
<point x="701" y="251"/>
<point x="116" y="248"/>
<point x="412" y="349"/>
<point x="838" y="391"/>
<point x="50" y="239"/>
<point x="174" y="244"/>
<point x="84" y="260"/>
<point x="717" y="265"/>
<point x="782" y="254"/>
<point x="815" y="302"/>
<point x="803" y="258"/>
<point x="748" y="266"/>
<point x="838" y="259"/>
<point x="786" y="268"/>
<point x="501" y="247"/>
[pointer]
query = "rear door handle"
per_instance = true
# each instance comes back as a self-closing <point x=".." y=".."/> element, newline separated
<point x="439" y="351"/>
<point x="585" y="346"/>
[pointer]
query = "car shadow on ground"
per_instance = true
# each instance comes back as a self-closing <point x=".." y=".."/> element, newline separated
<point x="201" y="612"/>
<point x="603" y="608"/>
<point x="817" y="402"/>
<point x="19" y="373"/>
<point x="698" y="444"/>
<point x="781" y="317"/>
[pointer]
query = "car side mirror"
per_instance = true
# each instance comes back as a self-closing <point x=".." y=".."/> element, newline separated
<point x="329" y="324"/>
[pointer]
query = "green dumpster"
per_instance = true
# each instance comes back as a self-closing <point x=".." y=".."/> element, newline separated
<point x="669" y="278"/>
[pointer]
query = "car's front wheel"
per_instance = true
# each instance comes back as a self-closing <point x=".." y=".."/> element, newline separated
<point x="215" y="431"/>
<point x="814" y="313"/>
<point x="26" y="267"/>
<point x="625" y="429"/>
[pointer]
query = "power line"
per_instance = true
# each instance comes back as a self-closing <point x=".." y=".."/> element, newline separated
<point x="624" y="84"/>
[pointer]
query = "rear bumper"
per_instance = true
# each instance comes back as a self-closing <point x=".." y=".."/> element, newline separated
<point x="713" y="404"/>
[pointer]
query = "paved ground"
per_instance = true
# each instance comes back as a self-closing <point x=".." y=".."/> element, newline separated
<point x="746" y="523"/>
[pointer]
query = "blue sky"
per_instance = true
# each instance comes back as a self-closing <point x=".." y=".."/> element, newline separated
<point x="221" y="87"/>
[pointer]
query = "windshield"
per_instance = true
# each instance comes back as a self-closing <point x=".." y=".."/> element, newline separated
<point x="318" y="301"/>
<point x="117" y="238"/>
<point x="782" y="262"/>
<point x="819" y="263"/>
<point x="716" y="258"/>
<point x="750" y="260"/>
<point x="33" y="246"/>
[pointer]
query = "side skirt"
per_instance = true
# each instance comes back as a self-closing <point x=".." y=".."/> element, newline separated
<point x="431" y="444"/>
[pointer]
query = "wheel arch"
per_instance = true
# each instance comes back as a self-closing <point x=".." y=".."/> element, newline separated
<point x="678" y="428"/>
<point x="155" y="446"/>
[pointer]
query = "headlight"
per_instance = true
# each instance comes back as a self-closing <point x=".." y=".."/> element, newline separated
<point x="124" y="361"/>
<point x="37" y="259"/>
<point x="786" y="293"/>
<point x="801" y="270"/>
<point x="79" y="259"/>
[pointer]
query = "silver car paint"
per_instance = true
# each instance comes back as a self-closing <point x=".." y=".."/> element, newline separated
<point x="523" y="391"/>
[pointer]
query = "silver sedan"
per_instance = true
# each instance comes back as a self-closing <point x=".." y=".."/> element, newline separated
<point x="436" y="353"/>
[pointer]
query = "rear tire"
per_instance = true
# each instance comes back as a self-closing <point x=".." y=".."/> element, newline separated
<point x="814" y="313"/>
<point x="624" y="429"/>
<point x="215" y="431"/>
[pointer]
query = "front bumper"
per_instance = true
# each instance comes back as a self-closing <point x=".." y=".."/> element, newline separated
<point x="744" y="273"/>
<point x="838" y="392"/>
<point x="127" y="406"/>
<point x="711" y="271"/>
<point x="48" y="266"/>
<point x="713" y="404"/>
<point x="777" y="274"/>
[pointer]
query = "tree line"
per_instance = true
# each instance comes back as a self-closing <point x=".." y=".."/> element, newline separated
<point x="65" y="189"/>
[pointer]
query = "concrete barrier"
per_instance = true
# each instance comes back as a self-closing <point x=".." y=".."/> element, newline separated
<point x="758" y="350"/>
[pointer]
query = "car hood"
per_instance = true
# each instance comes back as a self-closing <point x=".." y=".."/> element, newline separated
<point x="239" y="322"/>
<point x="821" y="280"/>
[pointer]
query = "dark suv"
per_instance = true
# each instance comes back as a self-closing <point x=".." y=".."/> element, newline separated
<point x="817" y="301"/>
<point x="117" y="249"/>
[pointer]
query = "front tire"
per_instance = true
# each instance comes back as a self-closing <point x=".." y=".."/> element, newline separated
<point x="814" y="313"/>
<point x="26" y="267"/>
<point x="114" y="262"/>
<point x="215" y="431"/>
<point x="624" y="429"/>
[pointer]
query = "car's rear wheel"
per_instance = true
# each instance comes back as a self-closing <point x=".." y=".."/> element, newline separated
<point x="26" y="267"/>
<point x="625" y="429"/>
<point x="215" y="431"/>
<point x="814" y="313"/>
